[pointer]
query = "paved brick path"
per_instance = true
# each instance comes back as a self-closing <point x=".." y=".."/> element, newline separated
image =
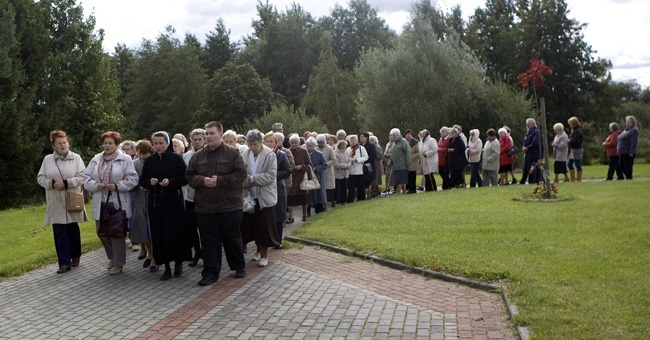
<point x="305" y="293"/>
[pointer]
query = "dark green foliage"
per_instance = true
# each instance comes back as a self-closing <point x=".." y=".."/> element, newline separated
<point x="293" y="121"/>
<point x="234" y="94"/>
<point x="218" y="49"/>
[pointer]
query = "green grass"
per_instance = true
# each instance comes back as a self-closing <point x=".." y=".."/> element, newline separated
<point x="26" y="245"/>
<point x="577" y="269"/>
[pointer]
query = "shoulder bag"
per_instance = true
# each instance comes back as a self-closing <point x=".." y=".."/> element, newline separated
<point x="310" y="184"/>
<point x="74" y="200"/>
<point x="513" y="150"/>
<point x="112" y="220"/>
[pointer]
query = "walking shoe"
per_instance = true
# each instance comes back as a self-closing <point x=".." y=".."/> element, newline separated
<point x="146" y="263"/>
<point x="110" y="264"/>
<point x="257" y="256"/>
<point x="63" y="269"/>
<point x="116" y="270"/>
<point x="153" y="269"/>
<point x="290" y="220"/>
<point x="178" y="269"/>
<point x="206" y="281"/>
<point x="166" y="275"/>
<point x="75" y="262"/>
<point x="240" y="273"/>
<point x="136" y="247"/>
<point x="263" y="262"/>
<point x="194" y="260"/>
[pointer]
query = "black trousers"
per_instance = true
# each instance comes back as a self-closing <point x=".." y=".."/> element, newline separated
<point x="626" y="165"/>
<point x="532" y="177"/>
<point x="217" y="230"/>
<point x="341" y="190"/>
<point x="192" y="227"/>
<point x="444" y="173"/>
<point x="430" y="182"/>
<point x="410" y="185"/>
<point x="355" y="186"/>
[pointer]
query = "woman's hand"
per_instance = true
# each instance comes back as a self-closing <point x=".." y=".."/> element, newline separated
<point x="111" y="187"/>
<point x="59" y="185"/>
<point x="100" y="187"/>
<point x="153" y="181"/>
<point x="165" y="182"/>
<point x="298" y="167"/>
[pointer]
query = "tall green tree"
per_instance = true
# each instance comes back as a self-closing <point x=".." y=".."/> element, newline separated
<point x="283" y="48"/>
<point x="235" y="94"/>
<point x="332" y="92"/>
<point x="218" y="49"/>
<point x="167" y="85"/>
<point x="355" y="30"/>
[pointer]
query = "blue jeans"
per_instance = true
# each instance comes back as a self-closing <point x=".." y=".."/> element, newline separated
<point x="576" y="162"/>
<point x="614" y="167"/>
<point x="475" y="178"/>
<point x="67" y="241"/>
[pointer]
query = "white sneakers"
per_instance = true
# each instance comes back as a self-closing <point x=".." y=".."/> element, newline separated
<point x="263" y="262"/>
<point x="257" y="256"/>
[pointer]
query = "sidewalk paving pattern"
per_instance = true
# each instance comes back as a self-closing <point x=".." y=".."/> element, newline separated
<point x="304" y="293"/>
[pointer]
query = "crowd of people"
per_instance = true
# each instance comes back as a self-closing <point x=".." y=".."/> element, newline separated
<point x="184" y="203"/>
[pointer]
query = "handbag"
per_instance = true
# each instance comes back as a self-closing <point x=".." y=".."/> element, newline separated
<point x="249" y="202"/>
<point x="74" y="200"/>
<point x="310" y="184"/>
<point x="513" y="150"/>
<point x="112" y="220"/>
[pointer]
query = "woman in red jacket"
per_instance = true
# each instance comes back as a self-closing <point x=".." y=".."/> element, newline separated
<point x="610" y="145"/>
<point x="443" y="162"/>
<point x="505" y="161"/>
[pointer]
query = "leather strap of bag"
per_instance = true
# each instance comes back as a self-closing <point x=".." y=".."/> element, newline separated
<point x="119" y="201"/>
<point x="57" y="167"/>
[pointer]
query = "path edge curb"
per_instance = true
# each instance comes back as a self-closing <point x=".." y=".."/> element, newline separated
<point x="522" y="332"/>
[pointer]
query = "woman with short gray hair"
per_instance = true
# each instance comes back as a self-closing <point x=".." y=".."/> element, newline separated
<point x="611" y="144"/>
<point x="627" y="146"/>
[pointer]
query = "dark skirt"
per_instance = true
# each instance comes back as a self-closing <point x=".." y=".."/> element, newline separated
<point x="169" y="236"/>
<point x="260" y="227"/>
<point x="559" y="167"/>
<point x="505" y="168"/>
<point x="296" y="200"/>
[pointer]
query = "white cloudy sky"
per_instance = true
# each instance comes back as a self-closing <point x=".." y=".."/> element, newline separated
<point x="617" y="29"/>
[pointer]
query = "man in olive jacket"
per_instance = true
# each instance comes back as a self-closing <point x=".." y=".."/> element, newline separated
<point x="401" y="158"/>
<point x="217" y="173"/>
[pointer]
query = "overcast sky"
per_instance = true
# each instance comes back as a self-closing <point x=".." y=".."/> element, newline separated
<point x="617" y="29"/>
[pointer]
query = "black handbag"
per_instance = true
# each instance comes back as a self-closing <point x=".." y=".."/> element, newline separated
<point x="513" y="150"/>
<point x="112" y="220"/>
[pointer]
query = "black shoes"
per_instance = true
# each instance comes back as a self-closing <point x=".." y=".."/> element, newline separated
<point x="207" y="281"/>
<point x="194" y="260"/>
<point x="146" y="263"/>
<point x="240" y="273"/>
<point x="166" y="275"/>
<point x="178" y="269"/>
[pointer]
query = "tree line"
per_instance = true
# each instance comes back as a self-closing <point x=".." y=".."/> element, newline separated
<point x="344" y="70"/>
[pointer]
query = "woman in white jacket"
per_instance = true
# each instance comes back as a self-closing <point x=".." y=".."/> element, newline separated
<point x="428" y="150"/>
<point x="259" y="225"/>
<point x="111" y="171"/>
<point x="60" y="172"/>
<point x="358" y="155"/>
<point x="474" y="149"/>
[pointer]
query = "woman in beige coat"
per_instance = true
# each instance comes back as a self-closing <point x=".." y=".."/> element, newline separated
<point x="111" y="171"/>
<point x="428" y="151"/>
<point x="62" y="171"/>
<point x="261" y="184"/>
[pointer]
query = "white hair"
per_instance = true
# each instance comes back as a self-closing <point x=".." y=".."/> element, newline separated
<point x="374" y="139"/>
<point x="311" y="141"/>
<point x="502" y="130"/>
<point x="444" y="129"/>
<point x="531" y="120"/>
<point x="395" y="132"/>
<point x="321" y="138"/>
<point x="294" y="137"/>
<point x="341" y="132"/>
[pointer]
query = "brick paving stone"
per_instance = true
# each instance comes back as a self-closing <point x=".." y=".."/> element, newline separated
<point x="303" y="293"/>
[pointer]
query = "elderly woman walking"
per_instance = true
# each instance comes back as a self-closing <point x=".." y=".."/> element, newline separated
<point x="428" y="149"/>
<point x="111" y="173"/>
<point x="328" y="153"/>
<point x="611" y="146"/>
<point x="259" y="225"/>
<point x="627" y="146"/>
<point x="560" y="150"/>
<point x="62" y="172"/>
<point x="318" y="197"/>
<point x="302" y="163"/>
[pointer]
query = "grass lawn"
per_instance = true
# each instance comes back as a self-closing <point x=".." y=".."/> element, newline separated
<point x="577" y="269"/>
<point x="27" y="245"/>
